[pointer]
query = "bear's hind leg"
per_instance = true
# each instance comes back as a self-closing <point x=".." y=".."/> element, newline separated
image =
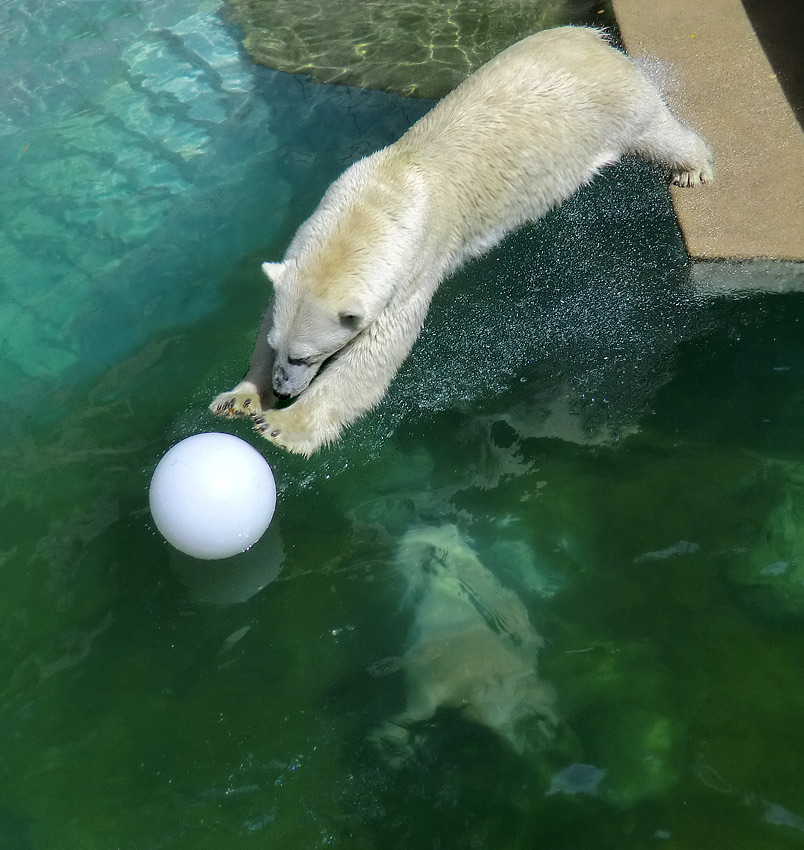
<point x="393" y="738"/>
<point x="685" y="154"/>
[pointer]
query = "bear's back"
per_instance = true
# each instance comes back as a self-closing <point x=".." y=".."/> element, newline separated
<point x="520" y="135"/>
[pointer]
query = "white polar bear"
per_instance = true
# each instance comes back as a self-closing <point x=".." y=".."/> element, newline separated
<point x="513" y="141"/>
<point x="471" y="648"/>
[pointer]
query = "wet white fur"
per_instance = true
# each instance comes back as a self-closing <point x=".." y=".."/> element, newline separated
<point x="513" y="141"/>
<point x="471" y="647"/>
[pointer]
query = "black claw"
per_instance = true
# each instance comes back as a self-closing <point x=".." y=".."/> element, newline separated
<point x="276" y="433"/>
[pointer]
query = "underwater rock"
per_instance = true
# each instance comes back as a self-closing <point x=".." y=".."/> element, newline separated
<point x="773" y="567"/>
<point x="642" y="754"/>
<point x="577" y="778"/>
<point x="471" y="647"/>
<point x="682" y="547"/>
<point x="616" y="695"/>
<point x="423" y="49"/>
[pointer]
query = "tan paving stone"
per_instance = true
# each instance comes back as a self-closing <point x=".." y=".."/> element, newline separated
<point x="721" y="82"/>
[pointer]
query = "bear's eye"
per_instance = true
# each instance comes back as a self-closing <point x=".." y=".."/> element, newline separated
<point x="299" y="361"/>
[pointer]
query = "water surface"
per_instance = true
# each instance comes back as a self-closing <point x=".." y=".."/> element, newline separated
<point x="620" y="452"/>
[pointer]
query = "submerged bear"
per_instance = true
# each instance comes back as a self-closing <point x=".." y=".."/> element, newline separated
<point x="514" y="140"/>
<point x="471" y="648"/>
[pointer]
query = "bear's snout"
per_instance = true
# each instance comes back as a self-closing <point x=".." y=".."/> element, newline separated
<point x="281" y="381"/>
<point x="290" y="379"/>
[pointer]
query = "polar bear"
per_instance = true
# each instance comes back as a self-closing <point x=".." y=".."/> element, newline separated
<point x="471" y="648"/>
<point x="514" y="140"/>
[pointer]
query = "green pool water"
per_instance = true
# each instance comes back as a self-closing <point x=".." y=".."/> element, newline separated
<point x="619" y="447"/>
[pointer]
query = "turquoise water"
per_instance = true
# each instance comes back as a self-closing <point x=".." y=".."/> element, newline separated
<point x="619" y="450"/>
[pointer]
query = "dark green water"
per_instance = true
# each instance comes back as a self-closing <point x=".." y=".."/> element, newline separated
<point x="620" y="452"/>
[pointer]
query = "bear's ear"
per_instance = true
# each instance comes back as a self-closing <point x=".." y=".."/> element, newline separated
<point x="352" y="314"/>
<point x="274" y="272"/>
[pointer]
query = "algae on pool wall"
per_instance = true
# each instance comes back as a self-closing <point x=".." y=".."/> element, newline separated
<point x="144" y="157"/>
<point x="412" y="47"/>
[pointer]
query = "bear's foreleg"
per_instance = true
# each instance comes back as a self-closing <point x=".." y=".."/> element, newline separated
<point x="254" y="394"/>
<point x="353" y="382"/>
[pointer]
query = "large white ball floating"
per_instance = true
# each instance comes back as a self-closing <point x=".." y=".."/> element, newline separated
<point x="212" y="496"/>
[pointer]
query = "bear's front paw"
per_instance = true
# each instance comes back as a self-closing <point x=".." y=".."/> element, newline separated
<point x="243" y="400"/>
<point x="290" y="429"/>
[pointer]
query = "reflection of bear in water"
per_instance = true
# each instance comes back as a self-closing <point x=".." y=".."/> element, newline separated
<point x="471" y="646"/>
<point x="514" y="140"/>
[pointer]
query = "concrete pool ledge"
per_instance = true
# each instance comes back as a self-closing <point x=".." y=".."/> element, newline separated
<point x="718" y="79"/>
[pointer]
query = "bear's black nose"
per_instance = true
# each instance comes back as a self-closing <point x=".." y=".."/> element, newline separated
<point x="280" y="380"/>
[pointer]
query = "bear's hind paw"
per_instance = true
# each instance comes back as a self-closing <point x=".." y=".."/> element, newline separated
<point x="243" y="400"/>
<point x="394" y="742"/>
<point x="686" y="178"/>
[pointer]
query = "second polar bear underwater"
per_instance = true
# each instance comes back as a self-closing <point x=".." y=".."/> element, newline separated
<point x="471" y="648"/>
<point x="514" y="140"/>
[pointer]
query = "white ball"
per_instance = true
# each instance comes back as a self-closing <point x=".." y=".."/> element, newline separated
<point x="212" y="496"/>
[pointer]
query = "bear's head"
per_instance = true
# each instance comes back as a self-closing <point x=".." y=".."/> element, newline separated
<point x="345" y="265"/>
<point x="310" y="325"/>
